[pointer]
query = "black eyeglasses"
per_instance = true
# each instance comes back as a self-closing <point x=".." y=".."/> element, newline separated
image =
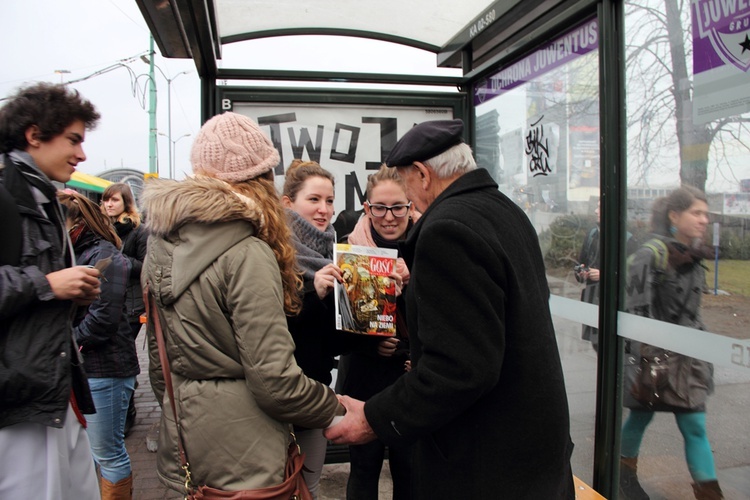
<point x="396" y="210"/>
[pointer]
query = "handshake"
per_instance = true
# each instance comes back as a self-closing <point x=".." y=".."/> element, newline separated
<point x="350" y="426"/>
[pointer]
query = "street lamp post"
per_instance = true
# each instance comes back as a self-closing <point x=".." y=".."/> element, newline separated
<point x="174" y="149"/>
<point x="169" y="109"/>
<point x="62" y="72"/>
<point x="173" y="152"/>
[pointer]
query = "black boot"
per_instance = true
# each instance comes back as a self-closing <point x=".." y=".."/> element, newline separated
<point x="708" y="490"/>
<point x="630" y="488"/>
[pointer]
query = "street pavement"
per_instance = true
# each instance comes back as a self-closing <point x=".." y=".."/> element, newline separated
<point x="662" y="466"/>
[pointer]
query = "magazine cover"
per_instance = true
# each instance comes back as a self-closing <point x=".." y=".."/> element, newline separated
<point x="366" y="301"/>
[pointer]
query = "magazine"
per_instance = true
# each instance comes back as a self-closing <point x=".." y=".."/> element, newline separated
<point x="366" y="301"/>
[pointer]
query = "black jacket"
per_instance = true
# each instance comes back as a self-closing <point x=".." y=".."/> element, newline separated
<point x="485" y="401"/>
<point x="316" y="339"/>
<point x="102" y="330"/>
<point x="364" y="372"/>
<point x="39" y="364"/>
<point x="134" y="242"/>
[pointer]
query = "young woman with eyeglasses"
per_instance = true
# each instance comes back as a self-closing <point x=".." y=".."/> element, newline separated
<point x="387" y="219"/>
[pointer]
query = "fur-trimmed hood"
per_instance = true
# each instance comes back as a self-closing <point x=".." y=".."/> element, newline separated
<point x="170" y="204"/>
<point x="191" y="224"/>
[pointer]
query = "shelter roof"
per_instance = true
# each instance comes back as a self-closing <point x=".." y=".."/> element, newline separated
<point x="198" y="29"/>
<point x="424" y="24"/>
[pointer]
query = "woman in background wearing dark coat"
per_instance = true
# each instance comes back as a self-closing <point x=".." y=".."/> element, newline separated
<point x="119" y="204"/>
<point x="106" y="342"/>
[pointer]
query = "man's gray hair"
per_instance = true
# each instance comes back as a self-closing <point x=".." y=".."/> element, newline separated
<point x="456" y="160"/>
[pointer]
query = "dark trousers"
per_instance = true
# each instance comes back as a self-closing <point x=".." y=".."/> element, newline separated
<point x="366" y="464"/>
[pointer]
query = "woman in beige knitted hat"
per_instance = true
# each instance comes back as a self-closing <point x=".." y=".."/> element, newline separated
<point x="220" y="265"/>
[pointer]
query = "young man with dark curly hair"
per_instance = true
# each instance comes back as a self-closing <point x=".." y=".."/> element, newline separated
<point x="44" y="449"/>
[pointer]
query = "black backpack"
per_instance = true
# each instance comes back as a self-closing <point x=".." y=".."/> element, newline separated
<point x="10" y="221"/>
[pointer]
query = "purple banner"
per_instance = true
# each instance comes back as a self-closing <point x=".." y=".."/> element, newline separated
<point x="573" y="44"/>
<point x="721" y="34"/>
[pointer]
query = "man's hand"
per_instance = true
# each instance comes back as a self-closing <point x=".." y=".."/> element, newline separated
<point x="79" y="283"/>
<point x="353" y="429"/>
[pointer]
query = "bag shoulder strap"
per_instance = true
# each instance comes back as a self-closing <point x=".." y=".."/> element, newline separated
<point x="661" y="253"/>
<point x="661" y="259"/>
<point x="152" y="313"/>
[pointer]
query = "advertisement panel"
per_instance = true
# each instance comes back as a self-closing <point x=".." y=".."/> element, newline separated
<point x="545" y="110"/>
<point x="350" y="140"/>
<point x="721" y="59"/>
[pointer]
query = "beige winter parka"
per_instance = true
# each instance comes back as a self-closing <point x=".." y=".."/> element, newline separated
<point x="237" y="385"/>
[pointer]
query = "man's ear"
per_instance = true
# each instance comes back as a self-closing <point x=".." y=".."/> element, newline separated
<point x="32" y="136"/>
<point x="425" y="175"/>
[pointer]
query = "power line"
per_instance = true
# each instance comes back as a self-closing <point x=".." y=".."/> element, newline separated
<point x="137" y="92"/>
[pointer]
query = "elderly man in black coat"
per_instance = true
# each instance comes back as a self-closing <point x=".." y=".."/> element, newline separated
<point x="485" y="401"/>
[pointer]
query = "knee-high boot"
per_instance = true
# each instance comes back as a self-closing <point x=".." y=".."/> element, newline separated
<point x="630" y="488"/>
<point x="121" y="490"/>
<point x="708" y="490"/>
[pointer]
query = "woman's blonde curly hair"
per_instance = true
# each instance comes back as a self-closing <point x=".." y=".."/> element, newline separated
<point x="277" y="235"/>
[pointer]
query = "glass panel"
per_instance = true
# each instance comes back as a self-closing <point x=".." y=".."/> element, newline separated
<point x="537" y="132"/>
<point x="688" y="103"/>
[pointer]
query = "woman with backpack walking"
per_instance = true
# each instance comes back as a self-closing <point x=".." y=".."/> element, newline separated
<point x="665" y="282"/>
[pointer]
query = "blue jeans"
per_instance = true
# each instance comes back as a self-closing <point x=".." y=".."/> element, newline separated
<point x="106" y="428"/>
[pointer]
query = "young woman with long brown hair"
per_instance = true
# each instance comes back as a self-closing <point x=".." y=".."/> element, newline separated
<point x="106" y="341"/>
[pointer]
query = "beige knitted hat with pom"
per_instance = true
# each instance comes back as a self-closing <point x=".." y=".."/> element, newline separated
<point x="232" y="147"/>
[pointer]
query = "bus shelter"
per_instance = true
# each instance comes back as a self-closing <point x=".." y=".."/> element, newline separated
<point x="574" y="107"/>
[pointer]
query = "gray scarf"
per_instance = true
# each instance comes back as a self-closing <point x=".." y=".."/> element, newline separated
<point x="314" y="247"/>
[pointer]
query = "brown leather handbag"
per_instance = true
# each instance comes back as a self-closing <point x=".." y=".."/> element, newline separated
<point x="293" y="487"/>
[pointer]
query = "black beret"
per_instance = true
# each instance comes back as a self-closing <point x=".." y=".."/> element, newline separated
<point x="425" y="141"/>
